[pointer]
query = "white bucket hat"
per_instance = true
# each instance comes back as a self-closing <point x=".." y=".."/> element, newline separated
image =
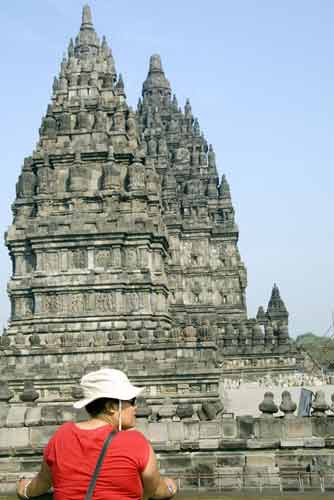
<point x="106" y="383"/>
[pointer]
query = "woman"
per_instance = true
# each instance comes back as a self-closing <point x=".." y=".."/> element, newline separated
<point x="129" y="469"/>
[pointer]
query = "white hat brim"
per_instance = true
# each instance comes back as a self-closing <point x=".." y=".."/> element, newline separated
<point x="132" y="392"/>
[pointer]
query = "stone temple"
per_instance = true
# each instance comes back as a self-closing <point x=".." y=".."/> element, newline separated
<point x="124" y="249"/>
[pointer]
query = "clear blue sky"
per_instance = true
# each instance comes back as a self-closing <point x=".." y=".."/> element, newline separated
<point x="260" y="76"/>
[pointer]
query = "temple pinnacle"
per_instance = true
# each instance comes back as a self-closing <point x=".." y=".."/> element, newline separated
<point x="155" y="64"/>
<point x="86" y="17"/>
<point x="156" y="81"/>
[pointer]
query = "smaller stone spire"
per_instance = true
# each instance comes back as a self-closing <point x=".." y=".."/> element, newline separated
<point x="187" y="109"/>
<point x="211" y="157"/>
<point x="196" y="128"/>
<point x="224" y="188"/>
<point x="276" y="301"/>
<point x="261" y="315"/>
<point x="156" y="84"/>
<point x="277" y="310"/>
<point x="120" y="86"/>
<point x="175" y="104"/>
<point x="70" y="49"/>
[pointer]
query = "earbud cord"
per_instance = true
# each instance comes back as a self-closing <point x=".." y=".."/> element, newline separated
<point x="119" y="414"/>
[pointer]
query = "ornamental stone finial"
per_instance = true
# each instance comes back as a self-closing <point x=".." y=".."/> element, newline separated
<point x="86" y="15"/>
<point x="5" y="393"/>
<point x="268" y="406"/>
<point x="319" y="404"/>
<point x="155" y="64"/>
<point x="287" y="406"/>
<point x="29" y="394"/>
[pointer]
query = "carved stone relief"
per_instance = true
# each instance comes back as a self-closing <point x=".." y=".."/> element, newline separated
<point x="105" y="302"/>
<point x="78" y="258"/>
<point x="22" y="307"/>
<point x="103" y="257"/>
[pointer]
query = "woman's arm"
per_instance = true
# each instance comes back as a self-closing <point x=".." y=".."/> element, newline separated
<point x="40" y="484"/>
<point x="155" y="486"/>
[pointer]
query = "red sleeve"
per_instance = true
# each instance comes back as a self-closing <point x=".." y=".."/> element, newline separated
<point x="142" y="447"/>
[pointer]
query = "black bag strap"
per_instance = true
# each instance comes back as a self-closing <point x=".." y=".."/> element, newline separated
<point x="99" y="462"/>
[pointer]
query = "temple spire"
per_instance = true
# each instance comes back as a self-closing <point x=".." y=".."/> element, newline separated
<point x="155" y="64"/>
<point x="224" y="188"/>
<point x="87" y="42"/>
<point x="86" y="17"/>
<point x="156" y="84"/>
<point x="276" y="308"/>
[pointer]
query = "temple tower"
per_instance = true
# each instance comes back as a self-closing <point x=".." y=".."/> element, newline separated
<point x="88" y="243"/>
<point x="124" y="247"/>
<point x="206" y="275"/>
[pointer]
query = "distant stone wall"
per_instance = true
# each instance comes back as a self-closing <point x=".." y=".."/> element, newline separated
<point x="264" y="445"/>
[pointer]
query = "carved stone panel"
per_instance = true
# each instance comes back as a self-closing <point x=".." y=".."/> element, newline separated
<point x="103" y="257"/>
<point x="131" y="257"/>
<point x="78" y="258"/>
<point x="50" y="262"/>
<point x="77" y="304"/>
<point x="52" y="304"/>
<point x="105" y="302"/>
<point x="22" y="307"/>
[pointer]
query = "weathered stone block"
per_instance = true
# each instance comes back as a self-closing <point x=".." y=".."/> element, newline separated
<point x="166" y="447"/>
<point x="142" y="425"/>
<point x="329" y="442"/>
<point x="149" y="324"/>
<point x="208" y="444"/>
<point x="14" y="438"/>
<point x="4" y="408"/>
<point x="158" y="432"/>
<point x="233" y="444"/>
<point x="175" y="431"/>
<point x="314" y="442"/>
<point x="120" y="325"/>
<point x="9" y="465"/>
<point x="229" y="427"/>
<point x="246" y="426"/>
<point x="209" y="430"/>
<point x="66" y="414"/>
<point x="174" y="463"/>
<point x="292" y="443"/>
<point x="189" y="445"/>
<point x="191" y="431"/>
<point x="257" y="460"/>
<point x="33" y="416"/>
<point x="287" y="458"/>
<point x="270" y="428"/>
<point x="261" y="444"/>
<point x="235" y="460"/>
<point x="136" y="324"/>
<point x="39" y="436"/>
<point x="167" y="411"/>
<point x="49" y="415"/>
<point x="322" y="426"/>
<point x="296" y="427"/>
<point x="15" y="417"/>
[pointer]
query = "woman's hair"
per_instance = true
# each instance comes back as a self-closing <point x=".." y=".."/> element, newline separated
<point x="100" y="405"/>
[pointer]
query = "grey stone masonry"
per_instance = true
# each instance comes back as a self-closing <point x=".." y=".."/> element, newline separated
<point x="225" y="445"/>
<point x="124" y="251"/>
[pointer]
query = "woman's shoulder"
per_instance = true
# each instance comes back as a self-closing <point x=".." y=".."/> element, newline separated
<point x="63" y="429"/>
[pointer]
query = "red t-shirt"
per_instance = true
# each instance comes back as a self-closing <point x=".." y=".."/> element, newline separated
<point x="72" y="454"/>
